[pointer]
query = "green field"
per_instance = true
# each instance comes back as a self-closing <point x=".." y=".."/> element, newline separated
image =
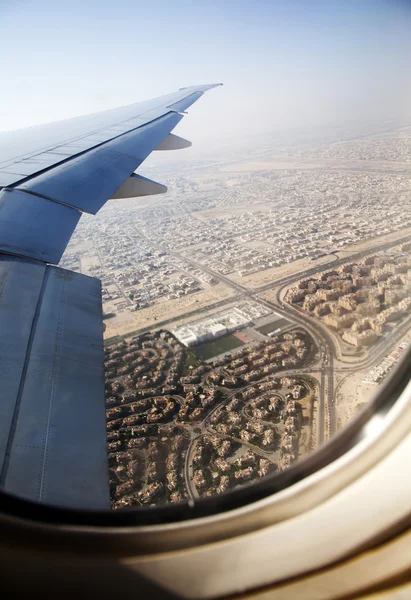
<point x="190" y="361"/>
<point x="216" y="347"/>
<point x="264" y="329"/>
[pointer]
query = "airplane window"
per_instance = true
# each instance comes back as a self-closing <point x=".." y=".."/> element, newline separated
<point x="244" y="330"/>
<point x="253" y="310"/>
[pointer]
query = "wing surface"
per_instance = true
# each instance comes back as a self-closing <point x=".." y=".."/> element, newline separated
<point x="26" y="152"/>
<point x="52" y="413"/>
<point x="52" y="423"/>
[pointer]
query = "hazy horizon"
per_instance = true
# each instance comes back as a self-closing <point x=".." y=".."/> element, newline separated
<point x="284" y="65"/>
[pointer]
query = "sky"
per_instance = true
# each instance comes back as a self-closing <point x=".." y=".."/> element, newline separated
<point x="283" y="63"/>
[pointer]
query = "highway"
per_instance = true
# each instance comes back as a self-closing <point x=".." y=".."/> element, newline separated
<point x="336" y="263"/>
<point x="326" y="346"/>
<point x="327" y="419"/>
<point x="244" y="292"/>
<point x="326" y="406"/>
<point x="188" y="470"/>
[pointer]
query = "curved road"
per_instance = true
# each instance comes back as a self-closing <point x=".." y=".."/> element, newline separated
<point x="327" y="345"/>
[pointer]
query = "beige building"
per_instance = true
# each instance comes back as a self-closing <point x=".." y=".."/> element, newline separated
<point x="365" y="338"/>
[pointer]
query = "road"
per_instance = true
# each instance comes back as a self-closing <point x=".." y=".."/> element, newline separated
<point x="333" y="264"/>
<point x="326" y="416"/>
<point x="188" y="469"/>
<point x="244" y="292"/>
<point x="326" y="406"/>
<point x="326" y="346"/>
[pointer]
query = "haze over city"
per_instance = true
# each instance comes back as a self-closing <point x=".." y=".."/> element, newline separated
<point x="283" y="64"/>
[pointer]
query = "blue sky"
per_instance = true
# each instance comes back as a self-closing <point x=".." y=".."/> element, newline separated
<point x="283" y="63"/>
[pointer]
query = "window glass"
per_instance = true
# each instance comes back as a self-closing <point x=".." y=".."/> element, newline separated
<point x="252" y="310"/>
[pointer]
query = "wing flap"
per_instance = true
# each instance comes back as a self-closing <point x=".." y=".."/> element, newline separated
<point x="18" y="303"/>
<point x="56" y="447"/>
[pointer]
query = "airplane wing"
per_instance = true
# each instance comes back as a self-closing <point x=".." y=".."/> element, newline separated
<point x="52" y="411"/>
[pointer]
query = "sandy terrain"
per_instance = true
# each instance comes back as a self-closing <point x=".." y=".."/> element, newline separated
<point x="257" y="244"/>
<point x="184" y="320"/>
<point x="129" y="321"/>
<point x="370" y="244"/>
<point x="307" y="164"/>
<point x="270" y="275"/>
<point x="351" y="392"/>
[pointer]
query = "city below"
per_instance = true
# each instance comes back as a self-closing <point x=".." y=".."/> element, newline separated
<point x="251" y="311"/>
